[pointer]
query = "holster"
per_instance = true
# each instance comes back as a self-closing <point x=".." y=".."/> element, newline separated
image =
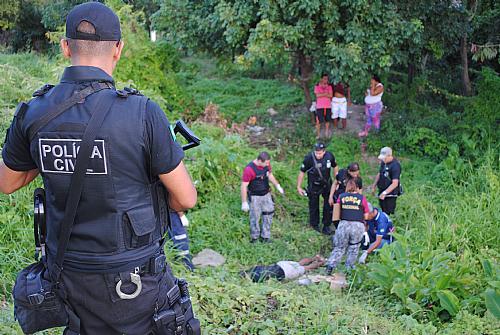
<point x="176" y="316"/>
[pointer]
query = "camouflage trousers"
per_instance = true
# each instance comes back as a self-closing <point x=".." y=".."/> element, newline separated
<point x="261" y="206"/>
<point x="348" y="237"/>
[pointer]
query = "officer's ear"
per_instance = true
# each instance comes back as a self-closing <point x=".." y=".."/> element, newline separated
<point x="118" y="50"/>
<point x="66" y="51"/>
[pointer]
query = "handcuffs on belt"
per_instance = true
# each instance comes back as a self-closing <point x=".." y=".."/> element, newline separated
<point x="135" y="278"/>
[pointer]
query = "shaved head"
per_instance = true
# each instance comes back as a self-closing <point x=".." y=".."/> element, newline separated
<point x="86" y="48"/>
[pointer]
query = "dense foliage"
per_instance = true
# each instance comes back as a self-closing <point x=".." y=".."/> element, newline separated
<point x="340" y="38"/>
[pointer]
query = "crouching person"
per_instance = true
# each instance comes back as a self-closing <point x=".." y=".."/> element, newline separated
<point x="284" y="270"/>
<point x="379" y="228"/>
<point x="349" y="234"/>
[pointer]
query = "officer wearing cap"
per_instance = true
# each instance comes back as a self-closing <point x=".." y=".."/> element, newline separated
<point x="341" y="179"/>
<point x="318" y="165"/>
<point x="122" y="213"/>
<point x="388" y="181"/>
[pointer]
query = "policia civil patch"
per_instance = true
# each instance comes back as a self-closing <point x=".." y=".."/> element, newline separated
<point x="59" y="156"/>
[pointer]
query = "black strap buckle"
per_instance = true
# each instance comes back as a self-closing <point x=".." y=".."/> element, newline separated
<point x="157" y="264"/>
<point x="173" y="295"/>
<point x="36" y="298"/>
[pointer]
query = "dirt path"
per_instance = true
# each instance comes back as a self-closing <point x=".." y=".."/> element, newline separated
<point x="286" y="123"/>
<point x="263" y="136"/>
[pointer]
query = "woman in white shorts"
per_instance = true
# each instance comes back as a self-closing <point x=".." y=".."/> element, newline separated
<point x="339" y="103"/>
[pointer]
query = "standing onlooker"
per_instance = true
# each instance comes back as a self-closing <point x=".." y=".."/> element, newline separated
<point x="177" y="232"/>
<point x="339" y="103"/>
<point x="349" y="234"/>
<point x="318" y="165"/>
<point x="352" y="171"/>
<point x="255" y="185"/>
<point x="373" y="105"/>
<point x="379" y="228"/>
<point x="324" y="94"/>
<point x="387" y="181"/>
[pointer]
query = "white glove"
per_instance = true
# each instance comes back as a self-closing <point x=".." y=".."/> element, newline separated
<point x="313" y="107"/>
<point x="185" y="221"/>
<point x="245" y="207"/>
<point x="362" y="258"/>
<point x="280" y="189"/>
<point x="366" y="238"/>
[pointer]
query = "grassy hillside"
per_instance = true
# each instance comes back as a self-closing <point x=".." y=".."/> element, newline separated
<point x="433" y="280"/>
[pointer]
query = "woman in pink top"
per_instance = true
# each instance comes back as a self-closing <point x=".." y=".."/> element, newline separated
<point x="324" y="94"/>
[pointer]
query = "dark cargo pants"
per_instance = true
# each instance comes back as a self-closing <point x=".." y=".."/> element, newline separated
<point x="313" y="196"/>
<point x="94" y="300"/>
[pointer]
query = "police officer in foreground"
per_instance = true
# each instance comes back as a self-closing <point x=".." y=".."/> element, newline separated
<point x="318" y="165"/>
<point x="388" y="181"/>
<point x="121" y="215"/>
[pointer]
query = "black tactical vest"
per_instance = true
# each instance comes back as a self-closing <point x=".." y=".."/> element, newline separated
<point x="318" y="180"/>
<point x="122" y="213"/>
<point x="351" y="207"/>
<point x="260" y="185"/>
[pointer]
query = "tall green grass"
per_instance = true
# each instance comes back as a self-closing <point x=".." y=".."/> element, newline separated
<point x="447" y="221"/>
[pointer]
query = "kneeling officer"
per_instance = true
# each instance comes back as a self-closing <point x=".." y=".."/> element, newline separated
<point x="115" y="276"/>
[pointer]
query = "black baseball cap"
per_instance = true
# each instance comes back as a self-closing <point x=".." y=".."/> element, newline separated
<point x="104" y="20"/>
<point x="319" y="146"/>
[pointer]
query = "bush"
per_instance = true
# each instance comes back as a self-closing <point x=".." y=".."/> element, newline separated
<point x="431" y="119"/>
<point x="147" y="66"/>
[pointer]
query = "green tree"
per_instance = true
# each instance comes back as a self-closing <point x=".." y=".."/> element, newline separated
<point x="9" y="11"/>
<point x="347" y="38"/>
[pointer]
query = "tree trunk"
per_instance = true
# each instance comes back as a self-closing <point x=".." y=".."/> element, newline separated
<point x="466" y="85"/>
<point x="411" y="70"/>
<point x="306" y="70"/>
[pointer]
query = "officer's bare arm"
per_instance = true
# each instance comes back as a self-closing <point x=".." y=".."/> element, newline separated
<point x="377" y="177"/>
<point x="11" y="181"/>
<point x="300" y="178"/>
<point x="244" y="191"/>
<point x="394" y="184"/>
<point x="333" y="189"/>
<point x="182" y="193"/>
<point x="272" y="179"/>
<point x="375" y="244"/>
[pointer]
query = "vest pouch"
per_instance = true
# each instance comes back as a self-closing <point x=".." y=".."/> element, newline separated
<point x="36" y="305"/>
<point x="138" y="227"/>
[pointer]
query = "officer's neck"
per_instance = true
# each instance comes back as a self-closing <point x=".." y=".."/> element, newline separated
<point x="107" y="66"/>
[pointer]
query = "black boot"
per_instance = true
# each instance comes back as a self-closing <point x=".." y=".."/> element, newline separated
<point x="326" y="230"/>
<point x="329" y="270"/>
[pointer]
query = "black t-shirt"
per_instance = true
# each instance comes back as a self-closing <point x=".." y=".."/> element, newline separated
<point x="388" y="172"/>
<point x="166" y="154"/>
<point x="324" y="165"/>
<point x="342" y="177"/>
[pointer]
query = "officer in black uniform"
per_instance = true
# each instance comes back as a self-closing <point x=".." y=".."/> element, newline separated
<point x="318" y="165"/>
<point x="388" y="181"/>
<point x="341" y="179"/>
<point x="123" y="210"/>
